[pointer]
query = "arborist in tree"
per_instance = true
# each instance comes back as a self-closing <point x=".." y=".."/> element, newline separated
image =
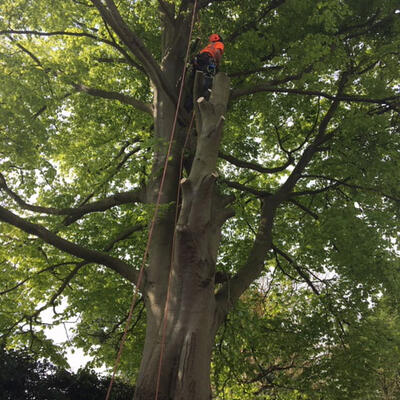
<point x="207" y="61"/>
<point x="209" y="58"/>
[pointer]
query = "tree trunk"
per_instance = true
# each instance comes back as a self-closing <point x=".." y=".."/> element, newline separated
<point x="186" y="350"/>
<point x="184" y="339"/>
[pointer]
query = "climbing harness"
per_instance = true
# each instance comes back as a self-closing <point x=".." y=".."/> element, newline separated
<point x="205" y="63"/>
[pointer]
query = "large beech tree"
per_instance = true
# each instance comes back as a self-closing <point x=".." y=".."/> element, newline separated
<point x="290" y="169"/>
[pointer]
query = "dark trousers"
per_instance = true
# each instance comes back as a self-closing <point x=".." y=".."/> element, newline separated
<point x="205" y="63"/>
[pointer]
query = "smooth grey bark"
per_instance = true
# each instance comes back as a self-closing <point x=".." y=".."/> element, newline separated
<point x="186" y="336"/>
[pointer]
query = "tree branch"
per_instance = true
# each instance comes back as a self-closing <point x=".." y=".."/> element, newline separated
<point x="253" y="22"/>
<point x="251" y="270"/>
<point x="30" y="54"/>
<point x="133" y="196"/>
<point x="284" y="191"/>
<point x="352" y="186"/>
<point x="92" y="256"/>
<point x="297" y="268"/>
<point x="51" y="301"/>
<point x="254" y="166"/>
<point x="121" y="236"/>
<point x="168" y="9"/>
<point x="76" y="34"/>
<point x="102" y="184"/>
<point x="50" y="268"/>
<point x="317" y="191"/>
<point x="111" y="15"/>
<point x="243" y="188"/>
<point x="343" y="97"/>
<point x="305" y="209"/>
<point x="122" y="98"/>
<point x="60" y="290"/>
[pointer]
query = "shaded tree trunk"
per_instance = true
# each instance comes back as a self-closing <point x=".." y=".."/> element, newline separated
<point x="185" y="338"/>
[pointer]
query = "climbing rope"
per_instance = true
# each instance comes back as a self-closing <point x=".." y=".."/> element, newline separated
<point x="164" y="328"/>
<point x="165" y="319"/>
<point x="140" y="277"/>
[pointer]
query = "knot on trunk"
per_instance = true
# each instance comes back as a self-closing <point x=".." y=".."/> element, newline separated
<point x="197" y="202"/>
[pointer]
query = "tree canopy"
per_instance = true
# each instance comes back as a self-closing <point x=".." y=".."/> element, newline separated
<point x="307" y="177"/>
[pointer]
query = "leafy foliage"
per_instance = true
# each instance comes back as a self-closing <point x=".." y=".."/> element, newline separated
<point x="322" y="318"/>
<point x="23" y="378"/>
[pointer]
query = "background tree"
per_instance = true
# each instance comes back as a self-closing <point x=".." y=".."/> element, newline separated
<point x="23" y="378"/>
<point x="300" y="190"/>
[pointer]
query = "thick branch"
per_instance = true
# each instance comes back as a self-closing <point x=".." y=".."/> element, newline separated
<point x="243" y="188"/>
<point x="121" y="236"/>
<point x="253" y="267"/>
<point x="112" y="16"/>
<point x="54" y="33"/>
<point x="119" y="266"/>
<point x="132" y="196"/>
<point x="122" y="98"/>
<point x="168" y="10"/>
<point x="284" y="191"/>
<point x="254" y="166"/>
<point x="232" y="290"/>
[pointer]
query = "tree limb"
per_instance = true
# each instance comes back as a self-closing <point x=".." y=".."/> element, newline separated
<point x="30" y="54"/>
<point x="76" y="34"/>
<point x="343" y="97"/>
<point x="317" y="191"/>
<point x="243" y="188"/>
<point x="305" y="209"/>
<point x="297" y="268"/>
<point x="122" y="98"/>
<point x="112" y="16"/>
<point x="113" y="173"/>
<point x="121" y="236"/>
<point x="253" y="22"/>
<point x="251" y="270"/>
<point x="168" y="10"/>
<point x="344" y="182"/>
<point x="92" y="256"/>
<point x="133" y="196"/>
<point x="285" y="190"/>
<point x="50" y="268"/>
<point x="254" y="166"/>
<point x="60" y="290"/>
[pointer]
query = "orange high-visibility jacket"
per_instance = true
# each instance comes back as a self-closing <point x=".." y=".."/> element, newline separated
<point x="215" y="50"/>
